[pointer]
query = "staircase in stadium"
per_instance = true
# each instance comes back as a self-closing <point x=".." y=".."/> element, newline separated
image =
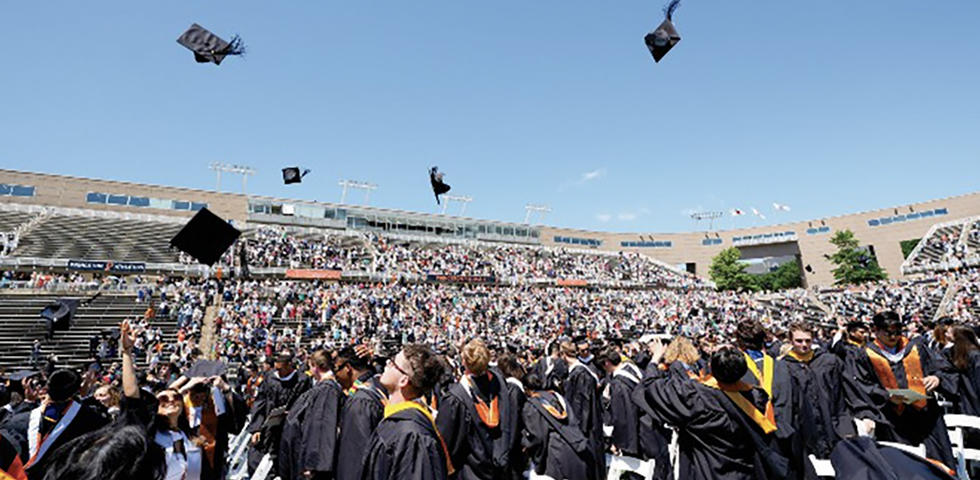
<point x="20" y="324"/>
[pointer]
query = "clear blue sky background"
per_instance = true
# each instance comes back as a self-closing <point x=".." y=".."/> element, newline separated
<point x="830" y="107"/>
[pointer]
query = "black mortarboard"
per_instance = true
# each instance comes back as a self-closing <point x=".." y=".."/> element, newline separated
<point x="293" y="175"/>
<point x="63" y="384"/>
<point x="20" y="375"/>
<point x="206" y="368"/>
<point x="208" y="47"/>
<point x="206" y="237"/>
<point x="438" y="186"/>
<point x="61" y="312"/>
<point x="661" y="40"/>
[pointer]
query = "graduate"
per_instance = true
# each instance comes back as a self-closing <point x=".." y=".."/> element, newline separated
<point x="725" y="432"/>
<point x="892" y="362"/>
<point x="849" y="340"/>
<point x="210" y="413"/>
<point x="280" y="388"/>
<point x="406" y="444"/>
<point x="513" y="373"/>
<point x="60" y="418"/>
<point x="478" y="418"/>
<point x="964" y="361"/>
<point x="552" y="440"/>
<point x="308" y="448"/>
<point x="817" y="376"/>
<point x="582" y="393"/>
<point x="362" y="412"/>
<point x="551" y="368"/>
<point x="11" y="466"/>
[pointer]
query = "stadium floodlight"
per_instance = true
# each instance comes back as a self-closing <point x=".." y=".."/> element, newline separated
<point x="242" y="170"/>
<point x="455" y="198"/>
<point x="359" y="185"/>
<point x="709" y="216"/>
<point x="542" y="210"/>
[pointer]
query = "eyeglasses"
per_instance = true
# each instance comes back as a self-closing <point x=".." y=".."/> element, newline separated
<point x="391" y="362"/>
<point x="168" y="399"/>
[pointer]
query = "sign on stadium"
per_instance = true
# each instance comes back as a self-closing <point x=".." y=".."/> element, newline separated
<point x="310" y="273"/>
<point x="462" y="278"/>
<point x="107" y="266"/>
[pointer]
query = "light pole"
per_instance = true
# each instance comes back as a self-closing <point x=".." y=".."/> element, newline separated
<point x="455" y="198"/>
<point x="542" y="210"/>
<point x="709" y="216"/>
<point x="242" y="170"/>
<point x="355" y="184"/>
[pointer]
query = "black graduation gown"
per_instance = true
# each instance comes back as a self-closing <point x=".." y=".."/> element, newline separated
<point x="717" y="441"/>
<point x="860" y="458"/>
<point x="967" y="384"/>
<point x="912" y="426"/>
<point x="518" y="460"/>
<point x="404" y="446"/>
<point x="582" y="394"/>
<point x="785" y="401"/>
<point x="273" y="393"/>
<point x="823" y="418"/>
<point x="478" y="452"/>
<point x="309" y="437"/>
<point x="361" y="413"/>
<point x="555" y="445"/>
<point x="654" y="437"/>
<point x="89" y="418"/>
<point x="552" y="371"/>
<point x="624" y="415"/>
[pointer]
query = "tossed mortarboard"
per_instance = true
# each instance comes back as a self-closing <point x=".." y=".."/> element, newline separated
<point x="293" y="175"/>
<point x="208" y="47"/>
<point x="438" y="186"/>
<point x="206" y="237"/>
<point x="665" y="36"/>
<point x="22" y="374"/>
<point x="61" y="312"/>
<point x="207" y="368"/>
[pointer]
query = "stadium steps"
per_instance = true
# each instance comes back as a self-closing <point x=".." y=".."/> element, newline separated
<point x="95" y="238"/>
<point x="20" y="324"/>
<point x="10" y="220"/>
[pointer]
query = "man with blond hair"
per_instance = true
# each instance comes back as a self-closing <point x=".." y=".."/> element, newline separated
<point x="478" y="418"/>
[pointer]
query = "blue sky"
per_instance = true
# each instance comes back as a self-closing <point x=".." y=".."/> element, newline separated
<point x="827" y="106"/>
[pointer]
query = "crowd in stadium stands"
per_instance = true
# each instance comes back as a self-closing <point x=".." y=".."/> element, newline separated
<point x="274" y="247"/>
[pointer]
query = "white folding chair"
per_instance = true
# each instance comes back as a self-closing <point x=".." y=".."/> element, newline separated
<point x="534" y="476"/>
<point x="674" y="450"/>
<point x="919" y="450"/>
<point x="619" y="464"/>
<point x="824" y="468"/>
<point x="955" y="424"/>
<point x="262" y="471"/>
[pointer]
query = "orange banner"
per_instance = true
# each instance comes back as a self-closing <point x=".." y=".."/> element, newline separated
<point x="310" y="273"/>
<point x="572" y="282"/>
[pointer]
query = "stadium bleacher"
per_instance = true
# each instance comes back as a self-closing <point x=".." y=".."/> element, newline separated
<point x="97" y="238"/>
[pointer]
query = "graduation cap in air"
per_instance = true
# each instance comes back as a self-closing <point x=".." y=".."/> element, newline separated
<point x="293" y="175"/>
<point x="60" y="313"/>
<point x="661" y="40"/>
<point x="208" y="47"/>
<point x="206" y="237"/>
<point x="207" y="368"/>
<point x="20" y="375"/>
<point x="438" y="186"/>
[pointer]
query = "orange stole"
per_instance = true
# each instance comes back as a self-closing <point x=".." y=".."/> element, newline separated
<point x="208" y="427"/>
<point x="15" y="471"/>
<point x="913" y="373"/>
<point x="550" y="408"/>
<point x="767" y="421"/>
<point x="765" y="377"/>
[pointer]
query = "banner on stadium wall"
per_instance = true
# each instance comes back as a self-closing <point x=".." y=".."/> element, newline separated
<point x="107" y="266"/>
<point x="312" y="273"/>
<point x="572" y="282"/>
<point x="462" y="278"/>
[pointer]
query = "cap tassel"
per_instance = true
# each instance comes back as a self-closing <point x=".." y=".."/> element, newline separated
<point x="236" y="47"/>
<point x="669" y="9"/>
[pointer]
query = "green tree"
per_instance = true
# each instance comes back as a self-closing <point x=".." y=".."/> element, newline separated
<point x="908" y="246"/>
<point x="854" y="265"/>
<point x="729" y="274"/>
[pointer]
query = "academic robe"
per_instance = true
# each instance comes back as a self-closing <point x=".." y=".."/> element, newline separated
<point x="552" y="371"/>
<point x="226" y="425"/>
<point x="362" y="412"/>
<point x="967" y="383"/>
<point x="786" y="404"/>
<point x="518" y="459"/>
<point x="823" y="418"/>
<point x="309" y="436"/>
<point x="631" y="435"/>
<point x="582" y="393"/>
<point x="404" y="446"/>
<point x="554" y="444"/>
<point x="654" y="437"/>
<point x="86" y="418"/>
<point x="479" y="447"/>
<point x="906" y="424"/>
<point x="859" y="458"/>
<point x="10" y="461"/>
<point x="717" y="441"/>
<point x="273" y="393"/>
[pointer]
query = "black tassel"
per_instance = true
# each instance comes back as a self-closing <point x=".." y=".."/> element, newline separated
<point x="304" y="173"/>
<point x="236" y="47"/>
<point x="669" y="9"/>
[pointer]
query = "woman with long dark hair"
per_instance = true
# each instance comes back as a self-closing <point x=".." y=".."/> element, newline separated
<point x="965" y="359"/>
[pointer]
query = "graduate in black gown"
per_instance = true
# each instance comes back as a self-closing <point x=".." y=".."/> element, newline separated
<point x="477" y="418"/>
<point x="362" y="412"/>
<point x="623" y="415"/>
<point x="581" y="390"/>
<point x="725" y="432"/>
<point x="818" y="377"/>
<point x="964" y="360"/>
<point x="406" y="444"/>
<point x="552" y="440"/>
<point x="850" y="340"/>
<point x="10" y="463"/>
<point x="513" y="373"/>
<point x="308" y="448"/>
<point x="279" y="389"/>
<point x="895" y="362"/>
<point x="55" y="422"/>
<point x="551" y="368"/>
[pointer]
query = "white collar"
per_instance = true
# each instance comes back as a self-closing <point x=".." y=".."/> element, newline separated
<point x="286" y="378"/>
<point x="621" y="371"/>
<point x="515" y="382"/>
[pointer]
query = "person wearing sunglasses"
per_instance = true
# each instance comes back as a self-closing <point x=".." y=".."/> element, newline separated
<point x="897" y="379"/>
<point x="406" y="444"/>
